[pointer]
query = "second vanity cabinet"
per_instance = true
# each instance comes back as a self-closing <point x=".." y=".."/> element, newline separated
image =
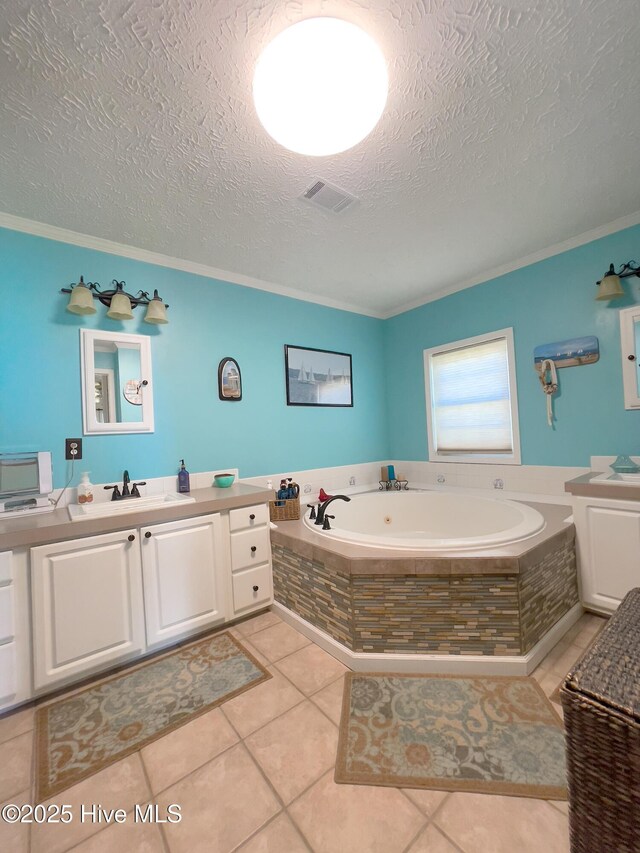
<point x="101" y="600"/>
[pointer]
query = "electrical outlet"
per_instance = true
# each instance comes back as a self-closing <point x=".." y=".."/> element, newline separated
<point x="73" y="448"/>
<point x="498" y="484"/>
<point x="307" y="489"/>
<point x="352" y="481"/>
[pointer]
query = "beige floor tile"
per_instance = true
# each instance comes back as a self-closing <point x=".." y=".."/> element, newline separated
<point x="427" y="801"/>
<point x="258" y="623"/>
<point x="482" y="823"/>
<point x="120" y="786"/>
<point x="258" y="706"/>
<point x="589" y="626"/>
<point x="129" y="837"/>
<point x="171" y="757"/>
<point x="252" y="650"/>
<point x="433" y="841"/>
<point x="15" y="765"/>
<point x="311" y="668"/>
<point x="17" y="723"/>
<point x="223" y="803"/>
<point x="355" y="818"/>
<point x="280" y="836"/>
<point x="563" y="805"/>
<point x="278" y="641"/>
<point x="329" y="700"/>
<point x="295" y="749"/>
<point x="561" y="659"/>
<point x="14" y="837"/>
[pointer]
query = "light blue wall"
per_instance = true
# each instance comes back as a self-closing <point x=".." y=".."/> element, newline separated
<point x="40" y="370"/>
<point x="548" y="301"/>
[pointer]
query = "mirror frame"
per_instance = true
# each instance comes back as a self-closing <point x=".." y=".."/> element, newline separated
<point x="90" y="424"/>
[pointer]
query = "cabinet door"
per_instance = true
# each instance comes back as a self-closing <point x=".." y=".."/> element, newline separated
<point x="182" y="566"/>
<point x="608" y="537"/>
<point x="87" y="605"/>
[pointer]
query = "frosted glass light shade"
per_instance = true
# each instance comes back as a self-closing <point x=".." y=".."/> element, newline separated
<point x="156" y="311"/>
<point x="320" y="86"/>
<point x="81" y="300"/>
<point x="610" y="288"/>
<point x="120" y="308"/>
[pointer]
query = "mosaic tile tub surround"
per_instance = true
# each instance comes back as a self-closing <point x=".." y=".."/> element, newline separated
<point x="505" y="609"/>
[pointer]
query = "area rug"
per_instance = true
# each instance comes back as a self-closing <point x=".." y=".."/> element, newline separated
<point x="494" y="735"/>
<point x="80" y="734"/>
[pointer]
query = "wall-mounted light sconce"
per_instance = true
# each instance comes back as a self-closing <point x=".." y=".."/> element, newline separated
<point x="118" y="301"/>
<point x="609" y="284"/>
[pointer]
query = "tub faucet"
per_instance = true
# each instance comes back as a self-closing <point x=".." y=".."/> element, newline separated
<point x="323" y="507"/>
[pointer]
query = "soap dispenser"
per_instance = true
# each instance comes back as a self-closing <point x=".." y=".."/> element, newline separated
<point x="85" y="489"/>
<point x="183" y="479"/>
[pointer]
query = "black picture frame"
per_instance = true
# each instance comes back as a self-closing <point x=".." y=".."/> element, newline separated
<point x="318" y="377"/>
<point x="229" y="380"/>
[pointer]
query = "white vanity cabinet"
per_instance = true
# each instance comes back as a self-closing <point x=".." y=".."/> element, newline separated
<point x="15" y="644"/>
<point x="251" y="581"/>
<point x="608" y="546"/>
<point x="184" y="578"/>
<point x="87" y="605"/>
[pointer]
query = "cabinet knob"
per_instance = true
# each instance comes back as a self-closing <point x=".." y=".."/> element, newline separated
<point x="147" y="535"/>
<point x="131" y="537"/>
<point x="256" y="588"/>
<point x="252" y="517"/>
<point x="631" y="357"/>
<point x="253" y="549"/>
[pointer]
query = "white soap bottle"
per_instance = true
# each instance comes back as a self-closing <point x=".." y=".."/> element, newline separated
<point x="85" y="489"/>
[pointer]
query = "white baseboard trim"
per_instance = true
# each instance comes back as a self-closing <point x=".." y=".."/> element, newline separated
<point x="434" y="664"/>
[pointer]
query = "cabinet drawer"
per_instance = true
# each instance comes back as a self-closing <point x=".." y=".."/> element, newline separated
<point x="248" y="516"/>
<point x="7" y="630"/>
<point x="6" y="575"/>
<point x="249" y="548"/>
<point x="8" y="671"/>
<point x="252" y="587"/>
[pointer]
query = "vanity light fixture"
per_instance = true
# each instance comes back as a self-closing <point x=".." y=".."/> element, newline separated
<point x="118" y="301"/>
<point x="610" y="286"/>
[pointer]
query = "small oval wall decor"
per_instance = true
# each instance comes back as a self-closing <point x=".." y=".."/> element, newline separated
<point x="229" y="380"/>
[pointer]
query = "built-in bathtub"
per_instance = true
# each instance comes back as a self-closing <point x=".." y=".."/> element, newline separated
<point x="430" y="521"/>
<point x="401" y="595"/>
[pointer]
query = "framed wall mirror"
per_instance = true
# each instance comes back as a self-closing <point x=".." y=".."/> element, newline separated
<point x="117" y="392"/>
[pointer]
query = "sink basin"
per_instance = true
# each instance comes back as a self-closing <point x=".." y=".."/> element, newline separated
<point x="102" y="509"/>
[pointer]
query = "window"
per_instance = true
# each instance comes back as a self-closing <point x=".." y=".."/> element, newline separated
<point x="472" y="406"/>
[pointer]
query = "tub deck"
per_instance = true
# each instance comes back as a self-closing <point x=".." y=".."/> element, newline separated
<point x="495" y="601"/>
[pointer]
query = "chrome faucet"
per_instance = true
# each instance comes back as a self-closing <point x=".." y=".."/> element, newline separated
<point x="323" y="507"/>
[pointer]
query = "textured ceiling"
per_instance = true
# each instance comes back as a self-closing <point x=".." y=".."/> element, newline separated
<point x="510" y="126"/>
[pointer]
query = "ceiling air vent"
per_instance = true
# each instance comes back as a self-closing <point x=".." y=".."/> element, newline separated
<point x="328" y="196"/>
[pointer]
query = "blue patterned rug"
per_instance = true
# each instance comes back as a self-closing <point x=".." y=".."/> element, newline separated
<point x="81" y="734"/>
<point x="495" y="735"/>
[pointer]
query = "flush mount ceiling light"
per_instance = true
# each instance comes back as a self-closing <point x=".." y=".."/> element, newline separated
<point x="610" y="286"/>
<point x="320" y="86"/>
<point x="118" y="301"/>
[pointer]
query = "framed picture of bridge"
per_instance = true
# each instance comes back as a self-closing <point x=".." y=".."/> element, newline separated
<point x="317" y="377"/>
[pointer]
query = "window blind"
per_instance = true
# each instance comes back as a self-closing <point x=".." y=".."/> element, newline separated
<point x="471" y="404"/>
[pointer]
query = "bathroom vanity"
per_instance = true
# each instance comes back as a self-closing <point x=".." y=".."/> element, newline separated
<point x="77" y="598"/>
<point x="607" y="518"/>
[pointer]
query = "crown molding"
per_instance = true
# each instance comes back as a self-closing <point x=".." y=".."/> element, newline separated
<point x="557" y="249"/>
<point x="86" y="241"/>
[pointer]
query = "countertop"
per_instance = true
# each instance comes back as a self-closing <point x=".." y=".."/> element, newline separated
<point x="355" y="559"/>
<point x="56" y="526"/>
<point x="583" y="486"/>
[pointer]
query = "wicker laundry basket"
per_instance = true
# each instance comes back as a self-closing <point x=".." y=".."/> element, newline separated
<point x="601" y="703"/>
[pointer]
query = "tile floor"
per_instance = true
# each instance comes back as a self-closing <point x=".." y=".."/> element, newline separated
<point x="256" y="775"/>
